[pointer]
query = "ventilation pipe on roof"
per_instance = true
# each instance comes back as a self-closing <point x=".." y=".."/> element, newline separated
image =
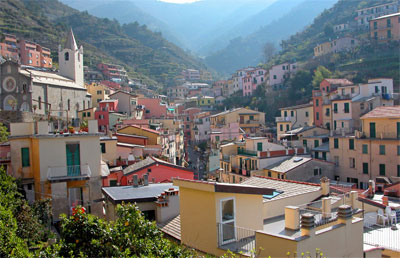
<point x="146" y="180"/>
<point x="135" y="181"/>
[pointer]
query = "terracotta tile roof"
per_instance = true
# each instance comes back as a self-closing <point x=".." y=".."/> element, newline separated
<point x="339" y="81"/>
<point x="172" y="227"/>
<point x="383" y="112"/>
<point x="289" y="188"/>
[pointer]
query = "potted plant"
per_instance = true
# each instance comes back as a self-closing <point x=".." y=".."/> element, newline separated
<point x="71" y="129"/>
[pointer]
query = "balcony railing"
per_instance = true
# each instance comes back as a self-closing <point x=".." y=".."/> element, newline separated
<point x="247" y="152"/>
<point x="282" y="119"/>
<point x="226" y="158"/>
<point x="236" y="239"/>
<point x="68" y="172"/>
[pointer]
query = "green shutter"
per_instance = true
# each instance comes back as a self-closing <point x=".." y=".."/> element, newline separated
<point x="336" y="143"/>
<point x="398" y="170"/>
<point x="103" y="147"/>
<point x="316" y="143"/>
<point x="351" y="144"/>
<point x="398" y="130"/>
<point x="73" y="159"/>
<point x="25" y="157"/>
<point x="365" y="168"/>
<point x="346" y="107"/>
<point x="365" y="149"/>
<point x="259" y="146"/>
<point x="372" y="131"/>
<point x="382" y="169"/>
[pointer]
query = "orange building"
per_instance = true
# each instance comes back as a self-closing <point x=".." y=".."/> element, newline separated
<point x="385" y="28"/>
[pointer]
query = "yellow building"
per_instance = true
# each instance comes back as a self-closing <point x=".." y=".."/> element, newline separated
<point x="373" y="152"/>
<point x="254" y="216"/>
<point x="206" y="101"/>
<point x="64" y="167"/>
<point x="99" y="92"/>
<point x="152" y="135"/>
<point x="294" y="117"/>
<point x="86" y="114"/>
<point x="108" y="146"/>
<point x="250" y="121"/>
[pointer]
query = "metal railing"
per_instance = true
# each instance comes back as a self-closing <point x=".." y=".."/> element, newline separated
<point x="247" y="152"/>
<point x="68" y="172"/>
<point x="382" y="237"/>
<point x="282" y="119"/>
<point x="236" y="239"/>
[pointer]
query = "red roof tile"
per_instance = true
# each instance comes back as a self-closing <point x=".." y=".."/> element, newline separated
<point x="383" y="112"/>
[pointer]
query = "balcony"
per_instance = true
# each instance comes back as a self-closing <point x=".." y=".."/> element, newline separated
<point x="247" y="152"/>
<point x="69" y="173"/>
<point x="282" y="119"/>
<point x="236" y="239"/>
<point x="226" y="158"/>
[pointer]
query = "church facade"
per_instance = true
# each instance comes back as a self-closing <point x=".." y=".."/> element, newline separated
<point x="62" y="94"/>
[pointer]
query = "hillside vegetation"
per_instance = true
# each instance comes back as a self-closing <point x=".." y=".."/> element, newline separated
<point x="146" y="55"/>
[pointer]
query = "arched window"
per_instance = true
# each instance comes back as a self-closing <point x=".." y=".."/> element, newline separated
<point x="25" y="107"/>
<point x="66" y="56"/>
<point x="40" y="102"/>
<point x="9" y="103"/>
<point x="69" y="105"/>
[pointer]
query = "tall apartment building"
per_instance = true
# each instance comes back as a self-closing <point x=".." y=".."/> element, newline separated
<point x="113" y="72"/>
<point x="24" y="51"/>
<point x="191" y="74"/>
<point x="294" y="117"/>
<point x="372" y="152"/>
<point x="385" y="28"/>
<point x="365" y="15"/>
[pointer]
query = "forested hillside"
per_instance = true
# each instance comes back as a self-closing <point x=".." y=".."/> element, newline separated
<point x="146" y="55"/>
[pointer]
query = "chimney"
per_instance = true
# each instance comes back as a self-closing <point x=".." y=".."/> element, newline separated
<point x="353" y="198"/>
<point x="93" y="127"/>
<point x="325" y="186"/>
<point x="326" y="207"/>
<point x="344" y="213"/>
<point x="146" y="180"/>
<point x="307" y="224"/>
<point x="292" y="215"/>
<point x="135" y="181"/>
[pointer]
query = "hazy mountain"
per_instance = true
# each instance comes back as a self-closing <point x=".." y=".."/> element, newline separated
<point x="237" y="25"/>
<point x="245" y="51"/>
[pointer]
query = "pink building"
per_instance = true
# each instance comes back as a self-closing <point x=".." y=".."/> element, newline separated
<point x="113" y="71"/>
<point x="102" y="114"/>
<point x="27" y="52"/>
<point x="153" y="108"/>
<point x="279" y="73"/>
<point x="230" y="132"/>
<point x="252" y="80"/>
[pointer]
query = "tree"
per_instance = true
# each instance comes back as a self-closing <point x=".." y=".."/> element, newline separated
<point x="269" y="51"/>
<point x="131" y="235"/>
<point x="320" y="74"/>
<point x="3" y="133"/>
<point x="328" y="30"/>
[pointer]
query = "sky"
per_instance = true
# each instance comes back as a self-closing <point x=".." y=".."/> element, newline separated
<point x="179" y="1"/>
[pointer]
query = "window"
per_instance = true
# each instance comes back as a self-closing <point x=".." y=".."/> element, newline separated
<point x="335" y="109"/>
<point x="88" y="114"/>
<point x="287" y="128"/>
<point x="217" y="138"/>
<point x="306" y="113"/>
<point x="69" y="105"/>
<point x="351" y="144"/>
<point x="316" y="155"/>
<point x="269" y="174"/>
<point x="259" y="146"/>
<point x="328" y="112"/>
<point x="40" y="102"/>
<point x="324" y="155"/>
<point x="251" y="117"/>
<point x="352" y="162"/>
<point x="316" y="143"/>
<point x="317" y="102"/>
<point x="352" y="90"/>
<point x="336" y="143"/>
<point x="346" y="107"/>
<point x="305" y="143"/>
<point x="389" y="34"/>
<point x="274" y="77"/>
<point x="317" y="115"/>
<point x="388" y="23"/>
<point x="281" y="128"/>
<point x="285" y="114"/>
<point x="375" y="35"/>
<point x="398" y="130"/>
<point x="372" y="133"/>
<point x="227" y="211"/>
<point x="292" y="113"/>
<point x="382" y="150"/>
<point x="149" y="170"/>
<point x="25" y="157"/>
<point x="365" y="149"/>
<point x="398" y="150"/>
<point x="84" y="114"/>
<point x="365" y="168"/>
<point x="316" y="171"/>
<point x="382" y="169"/>
<point x="66" y="56"/>
<point x="99" y="92"/>
<point x="375" y="25"/>
<point x="103" y="147"/>
<point x="336" y="160"/>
